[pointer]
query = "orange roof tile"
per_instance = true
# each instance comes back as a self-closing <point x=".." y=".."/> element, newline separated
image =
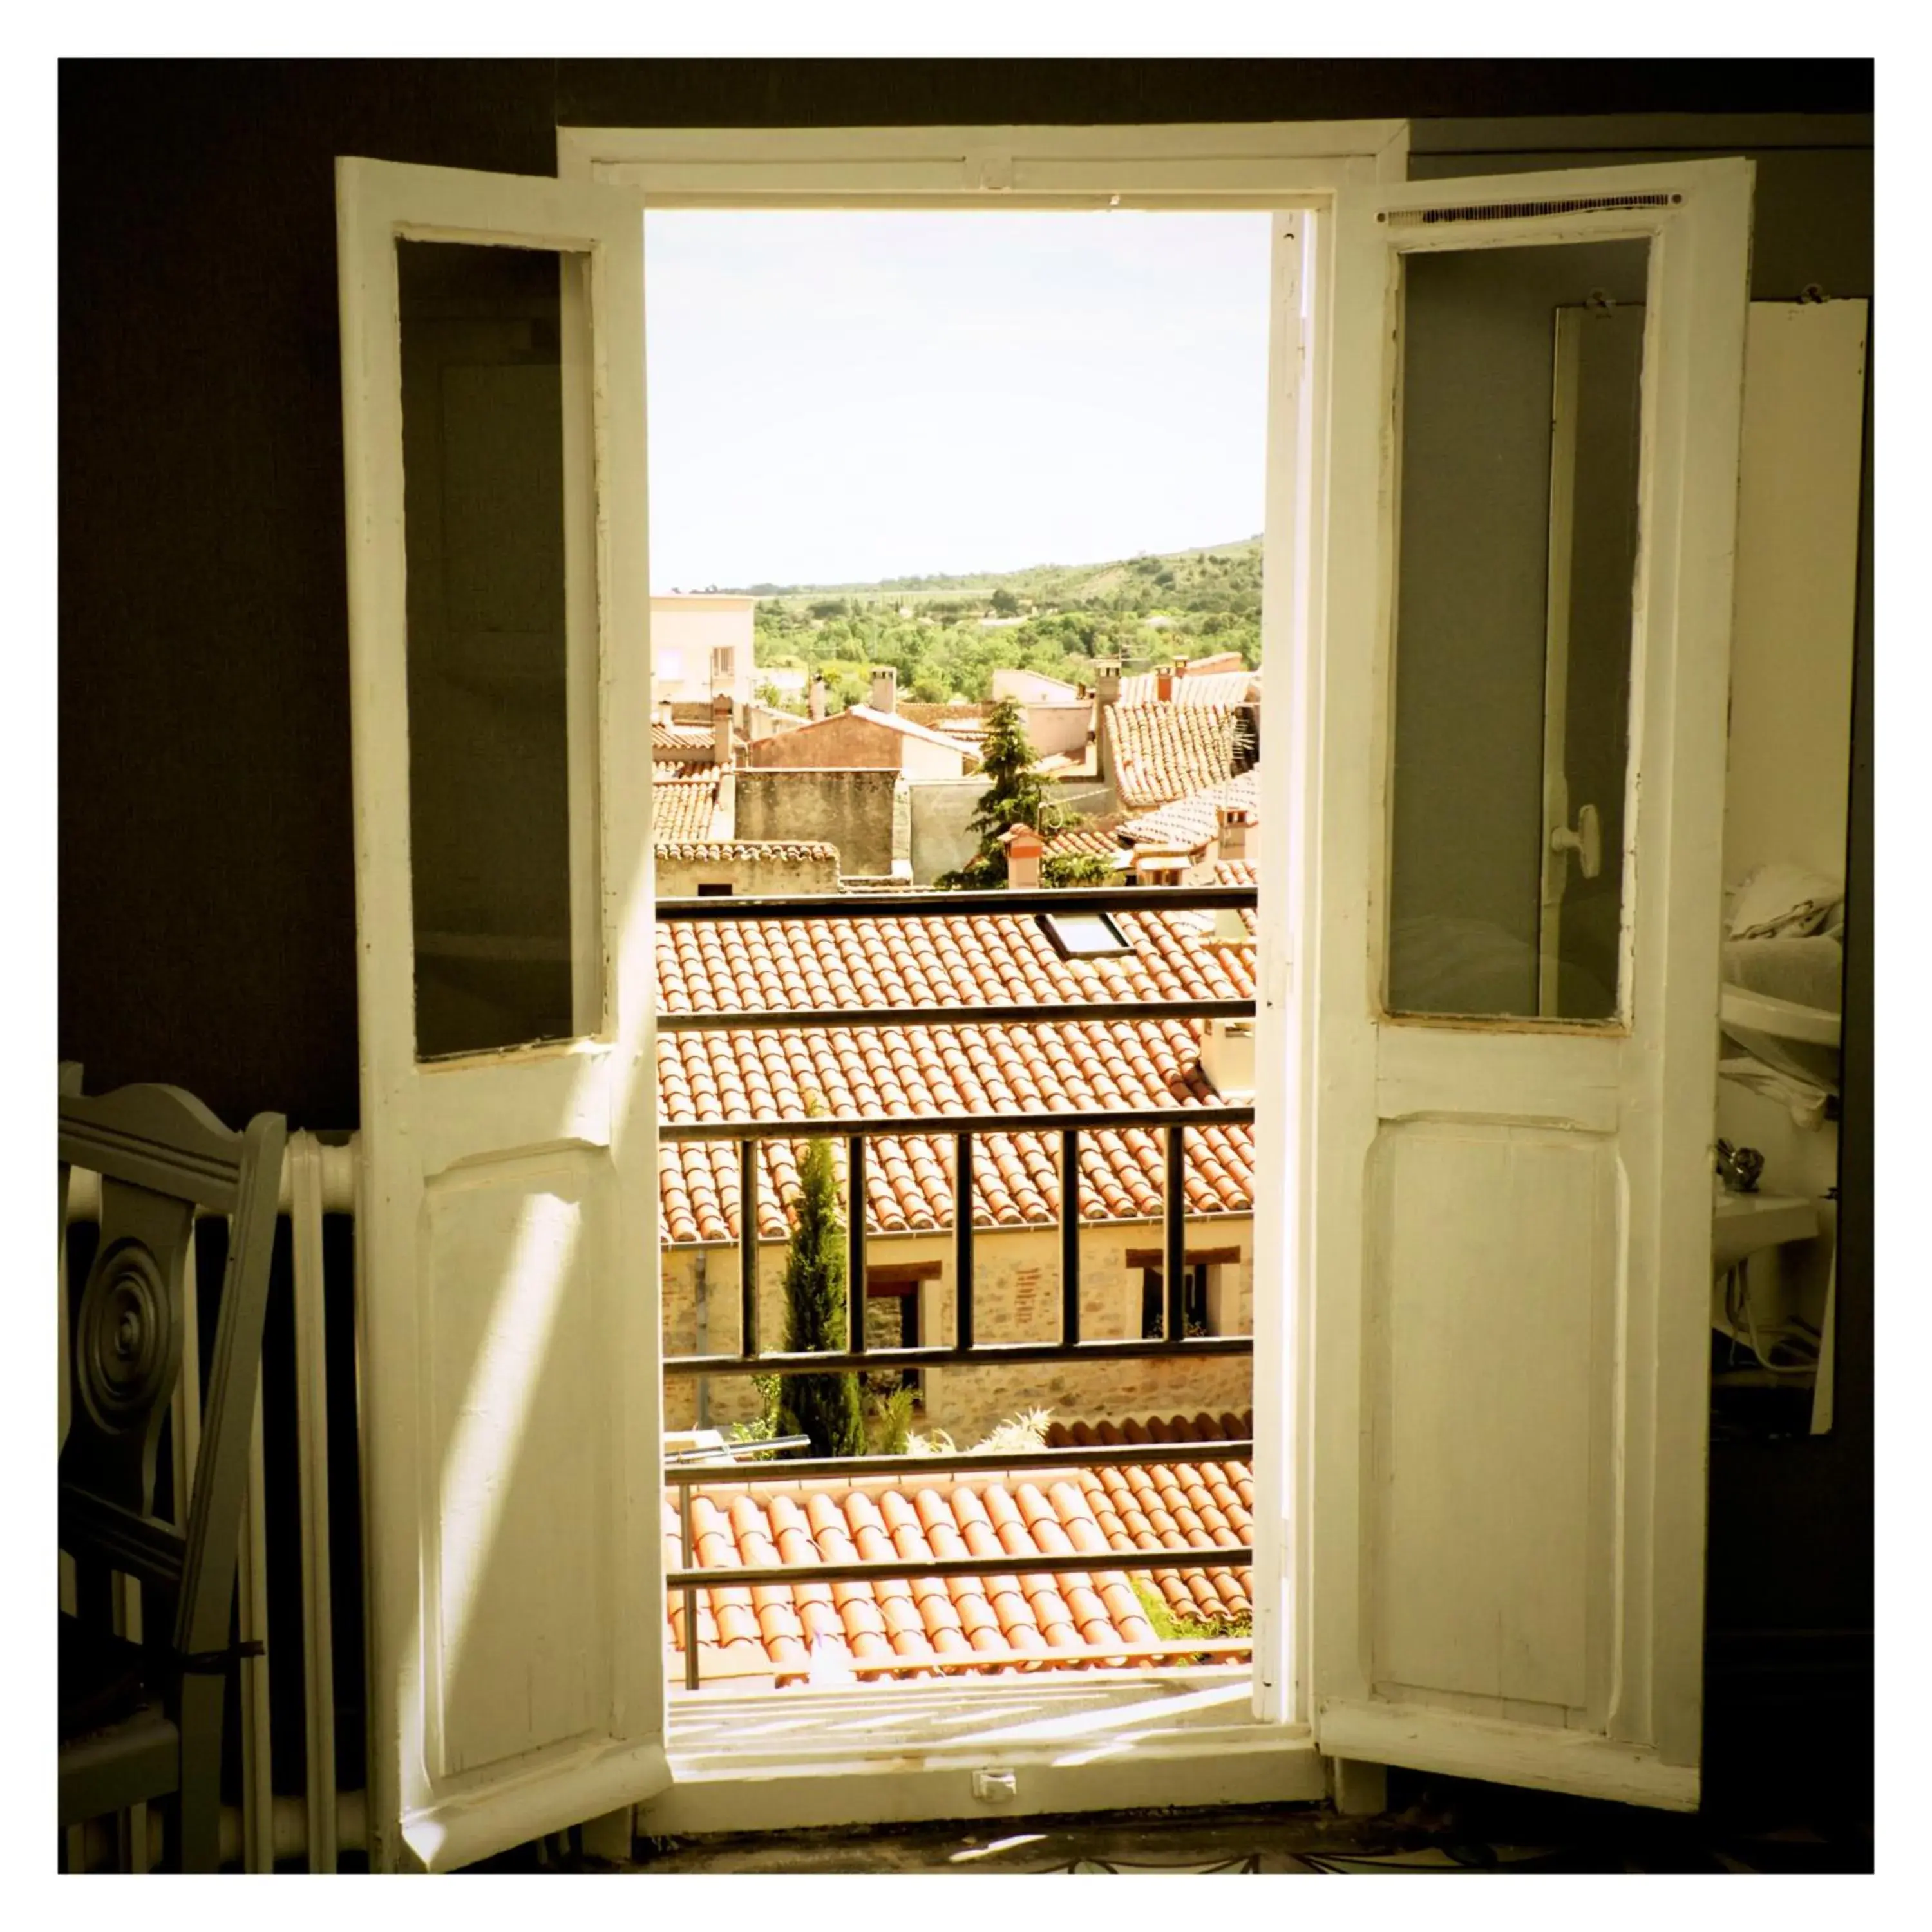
<point x="1097" y="836"/>
<point x="1202" y="1428"/>
<point x="905" y="1627"/>
<point x="1165" y="752"/>
<point x="683" y="799"/>
<point x="1226" y="686"/>
<point x="681" y="738"/>
<point x="898" y="965"/>
<point x="722" y="851"/>
<point x="1190" y="821"/>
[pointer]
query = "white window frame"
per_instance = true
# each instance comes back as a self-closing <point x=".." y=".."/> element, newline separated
<point x="1065" y="1762"/>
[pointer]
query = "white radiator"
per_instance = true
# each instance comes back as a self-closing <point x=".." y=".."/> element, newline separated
<point x="317" y="1180"/>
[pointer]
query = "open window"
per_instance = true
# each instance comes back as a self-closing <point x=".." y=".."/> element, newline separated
<point x="1511" y="1109"/>
<point x="1480" y="1217"/>
<point x="494" y="422"/>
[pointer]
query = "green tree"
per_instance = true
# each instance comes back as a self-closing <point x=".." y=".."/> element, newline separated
<point x="1017" y="795"/>
<point x="1004" y="603"/>
<point x="826" y="1407"/>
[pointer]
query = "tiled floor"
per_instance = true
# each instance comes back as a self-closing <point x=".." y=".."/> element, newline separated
<point x="1471" y="1829"/>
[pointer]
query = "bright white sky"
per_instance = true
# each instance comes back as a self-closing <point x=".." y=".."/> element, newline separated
<point x="839" y="396"/>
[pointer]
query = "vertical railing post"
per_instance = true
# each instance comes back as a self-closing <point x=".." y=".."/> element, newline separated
<point x="312" y="1477"/>
<point x="1069" y="1238"/>
<point x="1174" y="1210"/>
<point x="962" y="1242"/>
<point x="748" y="1248"/>
<point x="855" y="1240"/>
<point x="258" y="1792"/>
<point x="690" y="1590"/>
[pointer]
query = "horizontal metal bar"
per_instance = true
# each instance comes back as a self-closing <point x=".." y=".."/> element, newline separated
<point x="1034" y="1013"/>
<point x="987" y="1461"/>
<point x="1218" y="1556"/>
<point x="981" y="1355"/>
<point x="679" y="1458"/>
<point x="911" y="1125"/>
<point x="1013" y="903"/>
<point x="1151" y="1655"/>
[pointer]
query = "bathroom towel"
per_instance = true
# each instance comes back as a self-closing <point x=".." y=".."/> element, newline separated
<point x="1785" y="901"/>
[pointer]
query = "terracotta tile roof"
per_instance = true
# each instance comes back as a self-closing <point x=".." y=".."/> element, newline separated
<point x="1047" y="1620"/>
<point x="680" y="738"/>
<point x="1098" y="836"/>
<point x="1201" y="1428"/>
<point x="722" y="851"/>
<point x="898" y="965"/>
<point x="1226" y="687"/>
<point x="683" y="799"/>
<point x="1190" y="820"/>
<point x="1165" y="752"/>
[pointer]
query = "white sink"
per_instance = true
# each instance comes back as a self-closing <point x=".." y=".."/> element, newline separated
<point x="1742" y="1224"/>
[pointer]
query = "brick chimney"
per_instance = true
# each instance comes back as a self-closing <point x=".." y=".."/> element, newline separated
<point x="1106" y="681"/>
<point x="721" y="731"/>
<point x="1232" y="825"/>
<point x="1023" y="848"/>
<point x="815" y="703"/>
<point x="885" y="688"/>
<point x="1163" y="684"/>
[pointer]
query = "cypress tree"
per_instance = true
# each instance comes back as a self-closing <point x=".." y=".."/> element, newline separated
<point x="826" y="1407"/>
<point x="1017" y="795"/>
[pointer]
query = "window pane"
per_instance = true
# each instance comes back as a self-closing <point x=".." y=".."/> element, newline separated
<point x="1521" y="396"/>
<point x="484" y="507"/>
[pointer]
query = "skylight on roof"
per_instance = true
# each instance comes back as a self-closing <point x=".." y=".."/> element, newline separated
<point x="1084" y="935"/>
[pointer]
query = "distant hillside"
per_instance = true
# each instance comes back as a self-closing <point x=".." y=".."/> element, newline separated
<point x="947" y="636"/>
<point x="1218" y="577"/>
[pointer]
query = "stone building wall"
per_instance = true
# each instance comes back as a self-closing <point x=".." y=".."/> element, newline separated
<point x="1016" y="1297"/>
<point x="852" y="810"/>
<point x="751" y="870"/>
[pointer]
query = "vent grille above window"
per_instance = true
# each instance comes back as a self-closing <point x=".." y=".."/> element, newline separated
<point x="1523" y="211"/>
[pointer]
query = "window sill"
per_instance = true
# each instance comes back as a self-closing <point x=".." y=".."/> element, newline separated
<point x="901" y="1753"/>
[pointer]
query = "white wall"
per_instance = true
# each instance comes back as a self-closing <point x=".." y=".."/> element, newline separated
<point x="1030" y="687"/>
<point x="1789" y="776"/>
<point x="1797" y="532"/>
<point x="685" y="631"/>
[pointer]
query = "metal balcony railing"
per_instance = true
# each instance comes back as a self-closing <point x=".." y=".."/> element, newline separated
<point x="965" y="1347"/>
<point x="964" y="1129"/>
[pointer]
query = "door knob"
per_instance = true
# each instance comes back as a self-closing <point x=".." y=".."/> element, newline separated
<point x="1586" y="841"/>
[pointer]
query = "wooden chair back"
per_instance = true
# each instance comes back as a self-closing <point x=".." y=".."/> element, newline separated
<point x="160" y="1155"/>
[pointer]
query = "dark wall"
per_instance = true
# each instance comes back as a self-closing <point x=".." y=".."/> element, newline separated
<point x="207" y="907"/>
<point x="206" y="925"/>
<point x="993" y="93"/>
